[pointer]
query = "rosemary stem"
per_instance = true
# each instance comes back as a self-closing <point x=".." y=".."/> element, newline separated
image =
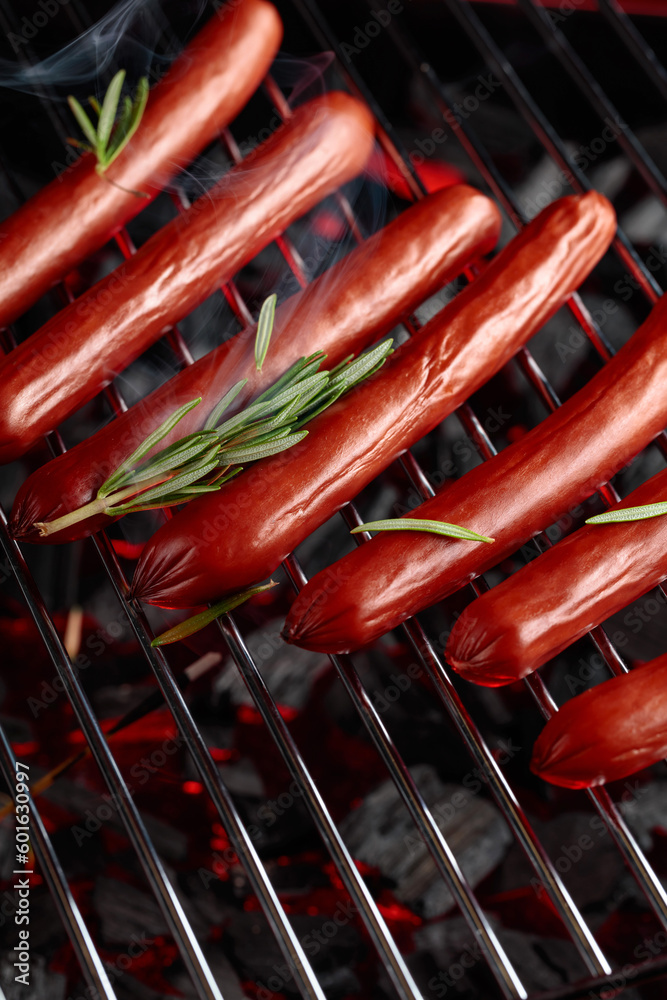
<point x="98" y="506"/>
<point x="137" y="194"/>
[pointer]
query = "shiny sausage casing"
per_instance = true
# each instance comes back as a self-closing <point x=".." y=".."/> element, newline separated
<point x="225" y="541"/>
<point x="615" y="729"/>
<point x="79" y="351"/>
<point x="512" y="497"/>
<point x="354" y="303"/>
<point x="539" y="611"/>
<point x="74" y="215"/>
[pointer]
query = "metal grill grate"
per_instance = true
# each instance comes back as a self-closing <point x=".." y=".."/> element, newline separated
<point x="595" y="970"/>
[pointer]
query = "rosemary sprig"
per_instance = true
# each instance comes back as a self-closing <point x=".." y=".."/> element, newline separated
<point x="416" y="524"/>
<point x="197" y="622"/>
<point x="114" y="130"/>
<point x="202" y="461"/>
<point x="629" y="514"/>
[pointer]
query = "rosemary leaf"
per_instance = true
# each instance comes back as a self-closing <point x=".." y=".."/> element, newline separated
<point x="416" y="524"/>
<point x="317" y="381"/>
<point x="266" y="428"/>
<point x="128" y="127"/>
<point x="182" y="496"/>
<point x="303" y="365"/>
<point x="127" y="467"/>
<point x="629" y="514"/>
<point x="84" y="121"/>
<point x="200" y="462"/>
<point x="222" y="477"/>
<point x="323" y="401"/>
<point x="363" y="366"/>
<point x="196" y="471"/>
<point x="134" y="507"/>
<point x="200" y="621"/>
<point x="191" y="491"/>
<point x="256" y="411"/>
<point x="340" y="366"/>
<point x="227" y="400"/>
<point x="107" y="115"/>
<point x="180" y="453"/>
<point x="312" y="364"/>
<point x="124" y="117"/>
<point x="264" y="330"/>
<point x="120" y="130"/>
<point x="255" y="438"/>
<point x="262" y="451"/>
<point x="284" y="415"/>
<point x="120" y="135"/>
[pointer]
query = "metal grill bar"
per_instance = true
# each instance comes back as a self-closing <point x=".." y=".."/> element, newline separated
<point x="584" y="940"/>
<point x="544" y="132"/>
<point x="68" y="910"/>
<point x="636" y="43"/>
<point x="304" y="976"/>
<point x="503" y="971"/>
<point x="508" y="981"/>
<point x="301" y="968"/>
<point x="366" y="906"/>
<point x="634" y="857"/>
<point x="502" y="191"/>
<point x="385" y="131"/>
<point x="588" y="85"/>
<point x="155" y="874"/>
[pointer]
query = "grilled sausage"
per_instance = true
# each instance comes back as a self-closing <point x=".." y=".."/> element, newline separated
<point x="520" y="624"/>
<point x="609" y="732"/>
<point x="223" y="541"/>
<point x="354" y="303"/>
<point x="79" y="211"/>
<point x="63" y="365"/>
<point x="518" y="493"/>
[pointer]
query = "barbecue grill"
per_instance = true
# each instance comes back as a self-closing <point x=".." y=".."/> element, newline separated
<point x="528" y="103"/>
